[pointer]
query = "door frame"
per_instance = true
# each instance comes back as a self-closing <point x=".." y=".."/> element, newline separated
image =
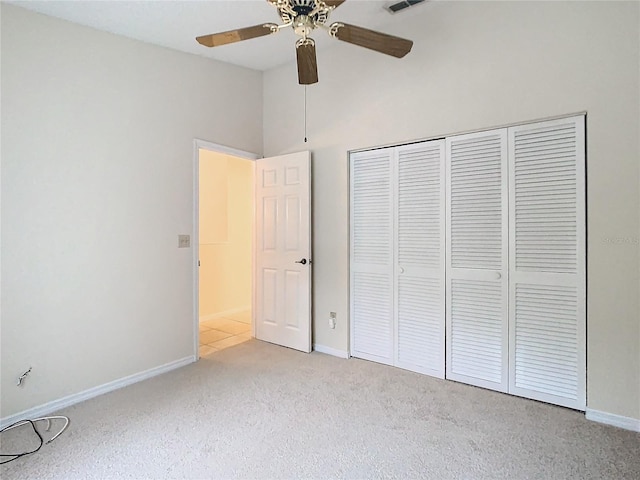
<point x="195" y="244"/>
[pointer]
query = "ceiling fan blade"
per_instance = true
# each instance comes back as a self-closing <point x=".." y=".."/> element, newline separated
<point x="380" y="42"/>
<point x="232" y="36"/>
<point x="333" y="3"/>
<point x="307" y="64"/>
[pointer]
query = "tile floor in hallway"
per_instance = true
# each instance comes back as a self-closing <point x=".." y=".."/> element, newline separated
<point x="223" y="332"/>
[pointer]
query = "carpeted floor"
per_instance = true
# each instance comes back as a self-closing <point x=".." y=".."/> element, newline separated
<point x="261" y="411"/>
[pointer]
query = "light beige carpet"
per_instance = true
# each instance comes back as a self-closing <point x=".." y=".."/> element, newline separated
<point x="261" y="411"/>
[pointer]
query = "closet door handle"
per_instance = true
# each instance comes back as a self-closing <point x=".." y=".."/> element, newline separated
<point x="498" y="275"/>
<point x="401" y="270"/>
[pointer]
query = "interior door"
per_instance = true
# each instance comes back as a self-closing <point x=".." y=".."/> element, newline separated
<point x="371" y="255"/>
<point x="283" y="249"/>
<point x="477" y="259"/>
<point x="419" y="257"/>
<point x="547" y="263"/>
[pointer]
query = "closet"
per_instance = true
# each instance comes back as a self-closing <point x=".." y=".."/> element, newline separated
<point x="468" y="259"/>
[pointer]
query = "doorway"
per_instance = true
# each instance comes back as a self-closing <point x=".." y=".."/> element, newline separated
<point x="224" y="254"/>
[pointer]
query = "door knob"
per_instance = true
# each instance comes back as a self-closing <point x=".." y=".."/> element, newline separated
<point x="303" y="261"/>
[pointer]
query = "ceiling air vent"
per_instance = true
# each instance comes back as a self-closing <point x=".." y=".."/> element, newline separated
<point x="399" y="6"/>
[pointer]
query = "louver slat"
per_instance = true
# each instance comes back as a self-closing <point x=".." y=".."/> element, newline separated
<point x="476" y="332"/>
<point x="420" y="258"/>
<point x="558" y="376"/>
<point x="371" y="215"/>
<point x="476" y="203"/>
<point x="547" y="262"/>
<point x="420" y="324"/>
<point x="372" y="315"/>
<point x="419" y="208"/>
<point x="542" y="213"/>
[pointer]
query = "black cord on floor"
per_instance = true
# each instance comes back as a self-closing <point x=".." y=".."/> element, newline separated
<point x="18" y="455"/>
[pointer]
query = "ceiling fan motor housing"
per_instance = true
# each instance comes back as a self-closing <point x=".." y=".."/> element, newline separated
<point x="291" y="11"/>
<point x="303" y="7"/>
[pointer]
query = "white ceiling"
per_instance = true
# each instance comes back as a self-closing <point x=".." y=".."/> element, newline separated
<point x="175" y="24"/>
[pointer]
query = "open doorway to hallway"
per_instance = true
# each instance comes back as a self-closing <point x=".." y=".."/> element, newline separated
<point x="225" y="230"/>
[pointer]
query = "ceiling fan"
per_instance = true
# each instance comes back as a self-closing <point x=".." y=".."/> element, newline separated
<point x="304" y="16"/>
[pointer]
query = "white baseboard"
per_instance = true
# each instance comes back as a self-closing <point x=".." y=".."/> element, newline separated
<point x="627" y="423"/>
<point x="226" y="313"/>
<point x="67" y="401"/>
<point x="330" y="351"/>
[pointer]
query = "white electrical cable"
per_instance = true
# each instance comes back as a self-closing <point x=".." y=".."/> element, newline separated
<point x="43" y="419"/>
<point x="32" y="423"/>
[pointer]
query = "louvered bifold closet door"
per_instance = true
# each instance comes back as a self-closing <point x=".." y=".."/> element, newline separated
<point x="547" y="262"/>
<point x="371" y="225"/>
<point x="419" y="254"/>
<point x="477" y="256"/>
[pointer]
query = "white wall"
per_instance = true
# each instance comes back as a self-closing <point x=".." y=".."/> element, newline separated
<point x="226" y="227"/>
<point x="97" y="158"/>
<point x="476" y="65"/>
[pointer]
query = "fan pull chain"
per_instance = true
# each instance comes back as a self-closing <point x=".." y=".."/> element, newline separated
<point x="305" y="114"/>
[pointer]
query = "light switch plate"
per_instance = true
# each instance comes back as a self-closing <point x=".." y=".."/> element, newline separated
<point x="184" y="241"/>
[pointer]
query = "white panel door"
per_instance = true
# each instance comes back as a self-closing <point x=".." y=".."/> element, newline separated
<point x="283" y="249"/>
<point x="477" y="256"/>
<point x="419" y="257"/>
<point x="547" y="262"/>
<point x="371" y="271"/>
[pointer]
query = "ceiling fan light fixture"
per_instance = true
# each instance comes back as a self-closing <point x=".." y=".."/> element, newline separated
<point x="303" y="25"/>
